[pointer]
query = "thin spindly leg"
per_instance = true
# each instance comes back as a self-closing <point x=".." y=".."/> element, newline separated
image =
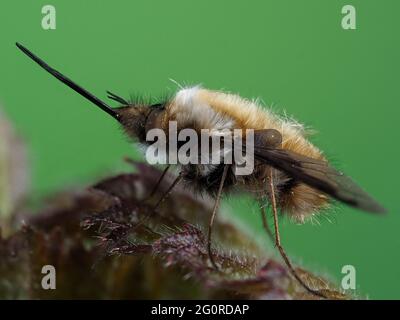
<point x="159" y="182"/>
<point x="167" y="193"/>
<point x="164" y="196"/>
<point x="132" y="162"/>
<point x="278" y="240"/>
<point x="214" y="213"/>
<point x="265" y="223"/>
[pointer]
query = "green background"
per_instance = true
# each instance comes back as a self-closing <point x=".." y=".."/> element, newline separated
<point x="292" y="54"/>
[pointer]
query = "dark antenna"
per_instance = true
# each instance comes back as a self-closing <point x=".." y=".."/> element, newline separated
<point x="102" y="105"/>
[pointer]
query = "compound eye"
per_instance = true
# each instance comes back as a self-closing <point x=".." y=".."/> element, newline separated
<point x="273" y="138"/>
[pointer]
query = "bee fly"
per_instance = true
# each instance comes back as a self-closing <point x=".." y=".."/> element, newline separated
<point x="290" y="174"/>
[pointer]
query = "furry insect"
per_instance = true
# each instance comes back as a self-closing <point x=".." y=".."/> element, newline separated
<point x="291" y="174"/>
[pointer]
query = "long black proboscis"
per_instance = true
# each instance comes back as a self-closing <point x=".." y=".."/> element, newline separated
<point x="102" y="105"/>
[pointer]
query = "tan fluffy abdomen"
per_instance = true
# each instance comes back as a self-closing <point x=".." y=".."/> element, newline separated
<point x="301" y="200"/>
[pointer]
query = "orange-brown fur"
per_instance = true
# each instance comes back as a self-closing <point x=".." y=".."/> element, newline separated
<point x="302" y="200"/>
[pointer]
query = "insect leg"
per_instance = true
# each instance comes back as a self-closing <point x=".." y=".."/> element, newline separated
<point x="164" y="196"/>
<point x="159" y="182"/>
<point x="265" y="223"/>
<point x="167" y="193"/>
<point x="214" y="213"/>
<point x="133" y="163"/>
<point x="278" y="241"/>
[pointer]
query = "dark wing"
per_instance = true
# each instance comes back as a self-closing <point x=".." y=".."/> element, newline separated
<point x="319" y="175"/>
